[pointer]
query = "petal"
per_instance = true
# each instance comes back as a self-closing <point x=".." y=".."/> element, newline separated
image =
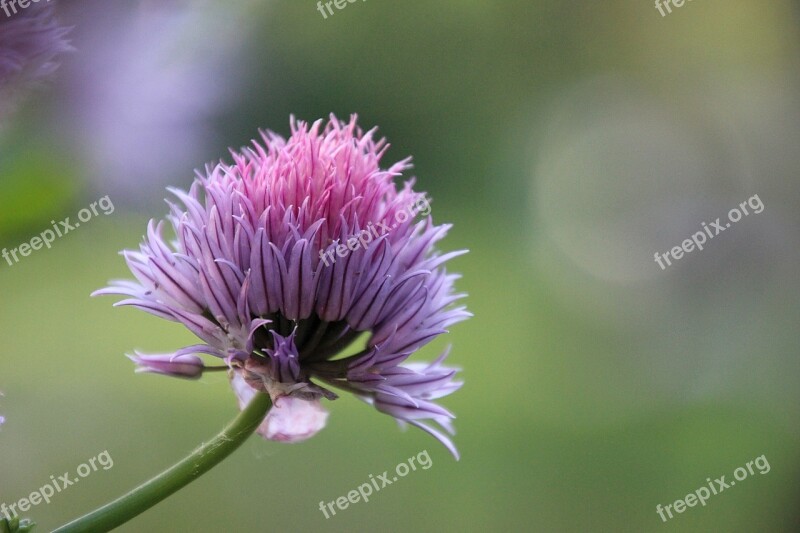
<point x="293" y="420"/>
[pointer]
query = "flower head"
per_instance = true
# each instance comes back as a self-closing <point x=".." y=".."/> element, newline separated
<point x="286" y="260"/>
<point x="30" y="39"/>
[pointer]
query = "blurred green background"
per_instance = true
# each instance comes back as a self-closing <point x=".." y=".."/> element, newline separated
<point x="567" y="142"/>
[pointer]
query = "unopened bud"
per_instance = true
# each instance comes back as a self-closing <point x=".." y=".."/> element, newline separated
<point x="180" y="366"/>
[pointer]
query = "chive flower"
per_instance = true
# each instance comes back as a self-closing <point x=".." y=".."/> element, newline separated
<point x="304" y="268"/>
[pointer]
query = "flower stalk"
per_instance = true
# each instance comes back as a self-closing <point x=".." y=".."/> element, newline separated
<point x="159" y="488"/>
<point x="15" y="525"/>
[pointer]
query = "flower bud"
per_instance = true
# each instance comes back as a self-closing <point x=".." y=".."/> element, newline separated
<point x="180" y="366"/>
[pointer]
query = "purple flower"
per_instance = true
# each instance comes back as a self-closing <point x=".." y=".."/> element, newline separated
<point x="30" y="39"/>
<point x="246" y="275"/>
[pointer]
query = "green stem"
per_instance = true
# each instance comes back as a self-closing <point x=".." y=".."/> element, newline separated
<point x="178" y="476"/>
